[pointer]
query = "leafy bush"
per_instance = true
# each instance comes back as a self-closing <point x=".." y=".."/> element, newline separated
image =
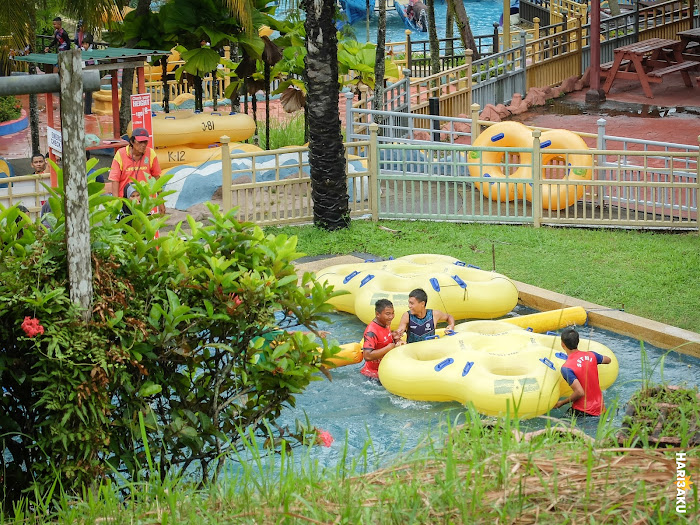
<point x="10" y="108"/>
<point x="172" y="370"/>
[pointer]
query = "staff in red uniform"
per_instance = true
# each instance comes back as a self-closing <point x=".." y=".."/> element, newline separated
<point x="136" y="162"/>
<point x="580" y="371"/>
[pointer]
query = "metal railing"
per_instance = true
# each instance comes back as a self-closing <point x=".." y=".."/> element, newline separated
<point x="25" y="190"/>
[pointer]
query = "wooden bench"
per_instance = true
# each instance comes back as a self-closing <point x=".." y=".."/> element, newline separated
<point x="679" y="67"/>
<point x="608" y="65"/>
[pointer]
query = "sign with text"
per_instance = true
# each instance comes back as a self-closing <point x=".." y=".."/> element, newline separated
<point x="141" y="114"/>
<point x="55" y="142"/>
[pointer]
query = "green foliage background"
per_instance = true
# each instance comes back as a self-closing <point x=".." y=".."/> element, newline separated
<point x="171" y="372"/>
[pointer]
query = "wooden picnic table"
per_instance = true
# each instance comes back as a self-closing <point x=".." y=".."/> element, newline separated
<point x="688" y="36"/>
<point x="648" y="61"/>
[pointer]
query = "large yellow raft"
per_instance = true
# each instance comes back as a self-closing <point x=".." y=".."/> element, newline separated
<point x="187" y="127"/>
<point x="464" y="291"/>
<point x="496" y="366"/>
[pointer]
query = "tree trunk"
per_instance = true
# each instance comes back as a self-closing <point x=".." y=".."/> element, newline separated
<point x="329" y="188"/>
<point x="614" y="7"/>
<point x="449" y="32"/>
<point x="75" y="182"/>
<point x="433" y="40"/>
<point x="379" y="65"/>
<point x="166" y="87"/>
<point x="465" y="30"/>
<point x="34" y="116"/>
<point x="125" y="105"/>
<point x="367" y="7"/>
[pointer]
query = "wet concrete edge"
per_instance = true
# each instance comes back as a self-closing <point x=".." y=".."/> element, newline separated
<point x="655" y="333"/>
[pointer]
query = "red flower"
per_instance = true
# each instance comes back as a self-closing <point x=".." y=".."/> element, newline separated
<point x="32" y="327"/>
<point x="323" y="437"/>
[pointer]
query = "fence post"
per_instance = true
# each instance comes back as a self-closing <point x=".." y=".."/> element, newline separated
<point x="475" y="130"/>
<point x="468" y="59"/>
<point x="373" y="168"/>
<point x="536" y="56"/>
<point x="523" y="62"/>
<point x="495" y="38"/>
<point x="636" y="24"/>
<point x="579" y="46"/>
<point x="697" y="183"/>
<point x="600" y="159"/>
<point x="434" y="107"/>
<point x="349" y="117"/>
<point x="536" y="178"/>
<point x="226" y="175"/>
<point x="409" y="51"/>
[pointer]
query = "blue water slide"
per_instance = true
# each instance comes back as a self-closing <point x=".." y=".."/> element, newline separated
<point x="356" y="9"/>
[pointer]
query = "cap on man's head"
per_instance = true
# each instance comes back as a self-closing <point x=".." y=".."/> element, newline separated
<point x="140" y="134"/>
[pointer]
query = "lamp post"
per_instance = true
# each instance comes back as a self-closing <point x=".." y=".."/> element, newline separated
<point x="595" y="94"/>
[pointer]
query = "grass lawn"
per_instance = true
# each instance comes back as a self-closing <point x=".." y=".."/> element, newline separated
<point x="650" y="274"/>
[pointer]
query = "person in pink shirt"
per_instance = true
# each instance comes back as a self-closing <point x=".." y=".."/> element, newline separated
<point x="136" y="162"/>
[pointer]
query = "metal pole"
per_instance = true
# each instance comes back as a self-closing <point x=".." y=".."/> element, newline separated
<point x="434" y="105"/>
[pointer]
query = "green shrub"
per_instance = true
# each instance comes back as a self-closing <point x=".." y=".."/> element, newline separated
<point x="10" y="108"/>
<point x="171" y="372"/>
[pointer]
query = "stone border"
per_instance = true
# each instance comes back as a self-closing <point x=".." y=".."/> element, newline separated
<point x="13" y="126"/>
<point x="655" y="333"/>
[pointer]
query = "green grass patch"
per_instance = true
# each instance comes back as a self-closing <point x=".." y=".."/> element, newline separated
<point x="650" y="274"/>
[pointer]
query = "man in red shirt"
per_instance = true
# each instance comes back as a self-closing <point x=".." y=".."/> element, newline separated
<point x="136" y="162"/>
<point x="581" y="372"/>
<point x="378" y="339"/>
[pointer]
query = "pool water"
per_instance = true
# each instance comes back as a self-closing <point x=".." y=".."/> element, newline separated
<point x="482" y="15"/>
<point x="356" y="408"/>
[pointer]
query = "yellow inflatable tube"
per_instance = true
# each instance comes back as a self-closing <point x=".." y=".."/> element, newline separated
<point x="187" y="127"/>
<point x="496" y="366"/>
<point x="580" y="168"/>
<point x="351" y="353"/>
<point x="517" y="135"/>
<point x="509" y="135"/>
<point x="451" y="285"/>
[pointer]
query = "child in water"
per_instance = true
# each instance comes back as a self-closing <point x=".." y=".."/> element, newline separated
<point x="378" y="339"/>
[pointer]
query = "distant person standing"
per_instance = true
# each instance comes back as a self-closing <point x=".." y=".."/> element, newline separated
<point x="80" y="34"/>
<point x="61" y="40"/>
<point x="136" y="162"/>
<point x="39" y="164"/>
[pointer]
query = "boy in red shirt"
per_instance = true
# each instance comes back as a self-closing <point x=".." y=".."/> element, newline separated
<point x="378" y="339"/>
<point x="581" y="372"/>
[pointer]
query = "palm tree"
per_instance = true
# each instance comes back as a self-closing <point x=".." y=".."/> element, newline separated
<point x="433" y="41"/>
<point x="465" y="30"/>
<point x="329" y="187"/>
<point x="379" y="60"/>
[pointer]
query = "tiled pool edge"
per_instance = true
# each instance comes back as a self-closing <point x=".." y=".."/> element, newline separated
<point x="658" y="334"/>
